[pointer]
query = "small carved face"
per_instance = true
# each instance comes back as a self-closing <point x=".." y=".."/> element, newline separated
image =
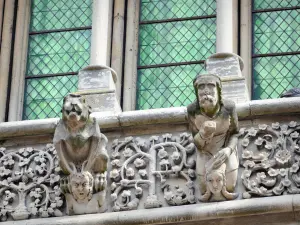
<point x="74" y="108"/>
<point x="81" y="187"/>
<point x="208" y="94"/>
<point x="215" y="181"/>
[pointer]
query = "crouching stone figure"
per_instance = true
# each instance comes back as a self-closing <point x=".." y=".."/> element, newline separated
<point x="81" y="150"/>
<point x="214" y="125"/>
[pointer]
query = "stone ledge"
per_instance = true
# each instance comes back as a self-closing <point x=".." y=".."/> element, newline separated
<point x="183" y="214"/>
<point x="106" y="120"/>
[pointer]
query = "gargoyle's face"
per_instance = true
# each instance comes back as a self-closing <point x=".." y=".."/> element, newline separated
<point x="81" y="187"/>
<point x="215" y="181"/>
<point x="208" y="94"/>
<point x="75" y="109"/>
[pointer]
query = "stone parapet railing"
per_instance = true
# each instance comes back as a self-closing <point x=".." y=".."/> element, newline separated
<point x="269" y="163"/>
<point x="177" y="115"/>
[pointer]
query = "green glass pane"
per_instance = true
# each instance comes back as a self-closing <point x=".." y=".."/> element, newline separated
<point x="43" y="96"/>
<point x="60" y="14"/>
<point x="167" y="9"/>
<point x="166" y="86"/>
<point x="60" y="52"/>
<point x="276" y="32"/>
<point x="174" y="42"/>
<point x="274" y="75"/>
<point x="272" y="4"/>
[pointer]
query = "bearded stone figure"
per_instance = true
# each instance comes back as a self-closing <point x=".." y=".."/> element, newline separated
<point x="214" y="125"/>
<point x="81" y="150"/>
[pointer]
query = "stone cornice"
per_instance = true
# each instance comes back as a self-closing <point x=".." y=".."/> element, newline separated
<point x="247" y="110"/>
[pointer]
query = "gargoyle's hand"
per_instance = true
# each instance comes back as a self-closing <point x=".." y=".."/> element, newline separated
<point x="208" y="129"/>
<point x="221" y="157"/>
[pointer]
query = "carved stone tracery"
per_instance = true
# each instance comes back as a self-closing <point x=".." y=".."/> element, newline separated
<point x="140" y="166"/>
<point x="29" y="185"/>
<point x="271" y="158"/>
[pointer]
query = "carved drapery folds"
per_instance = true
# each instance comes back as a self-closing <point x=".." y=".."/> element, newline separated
<point x="271" y="158"/>
<point x="148" y="171"/>
<point x="82" y="155"/>
<point x="29" y="183"/>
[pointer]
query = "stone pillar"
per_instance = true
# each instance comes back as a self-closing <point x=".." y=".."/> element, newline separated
<point x="229" y="67"/>
<point x="227" y="22"/>
<point x="97" y="82"/>
<point x="5" y="53"/>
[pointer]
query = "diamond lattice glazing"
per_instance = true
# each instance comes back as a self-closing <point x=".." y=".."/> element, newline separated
<point x="166" y="86"/>
<point x="173" y="42"/>
<point x="275" y="75"/>
<point x="60" y="14"/>
<point x="273" y="4"/>
<point x="277" y="32"/>
<point x="55" y="53"/>
<point x="60" y="52"/>
<point x="43" y="97"/>
<point x="168" y="9"/>
<point x="164" y="44"/>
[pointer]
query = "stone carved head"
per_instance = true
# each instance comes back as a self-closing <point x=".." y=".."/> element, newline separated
<point x="81" y="186"/>
<point x="75" y="111"/>
<point x="216" y="185"/>
<point x="208" y="90"/>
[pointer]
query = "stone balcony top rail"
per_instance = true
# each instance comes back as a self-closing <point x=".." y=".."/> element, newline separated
<point x="246" y="111"/>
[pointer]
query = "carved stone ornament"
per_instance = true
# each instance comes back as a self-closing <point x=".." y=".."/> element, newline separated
<point x="214" y="124"/>
<point x="271" y="158"/>
<point x="82" y="154"/>
<point x="139" y="165"/>
<point x="29" y="183"/>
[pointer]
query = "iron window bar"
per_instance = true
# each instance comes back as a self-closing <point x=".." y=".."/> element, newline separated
<point x="171" y="64"/>
<point x="60" y="30"/>
<point x="275" y="9"/>
<point x="176" y="19"/>
<point x="51" y="75"/>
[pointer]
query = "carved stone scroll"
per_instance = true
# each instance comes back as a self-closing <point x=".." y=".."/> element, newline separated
<point x="271" y="159"/>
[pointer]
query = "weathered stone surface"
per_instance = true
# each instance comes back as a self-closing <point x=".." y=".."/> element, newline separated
<point x="29" y="184"/>
<point x="224" y="64"/>
<point x="145" y="171"/>
<point x="82" y="157"/>
<point x="214" y="124"/>
<point x="96" y="78"/>
<point x="271" y="157"/>
<point x="229" y="67"/>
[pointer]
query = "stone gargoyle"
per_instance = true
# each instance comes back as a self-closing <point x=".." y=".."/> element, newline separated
<point x="214" y="125"/>
<point x="77" y="138"/>
<point x="82" y="155"/>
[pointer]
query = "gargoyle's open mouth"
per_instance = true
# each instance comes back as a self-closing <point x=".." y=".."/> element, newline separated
<point x="73" y="111"/>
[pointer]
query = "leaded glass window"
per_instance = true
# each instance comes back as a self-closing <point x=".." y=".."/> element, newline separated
<point x="276" y="47"/>
<point x="59" y="46"/>
<point x="175" y="37"/>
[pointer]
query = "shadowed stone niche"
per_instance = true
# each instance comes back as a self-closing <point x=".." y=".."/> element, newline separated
<point x="214" y="125"/>
<point x="82" y="155"/>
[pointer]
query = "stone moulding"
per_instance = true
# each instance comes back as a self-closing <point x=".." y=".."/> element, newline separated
<point x="174" y="115"/>
<point x="189" y="213"/>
